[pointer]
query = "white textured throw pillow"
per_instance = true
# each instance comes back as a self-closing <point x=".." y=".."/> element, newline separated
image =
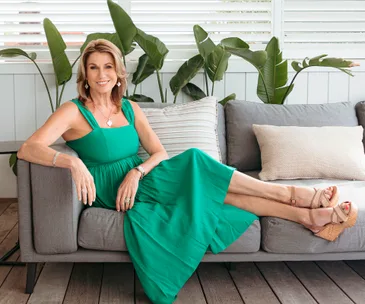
<point x="183" y="126"/>
<point x="311" y="152"/>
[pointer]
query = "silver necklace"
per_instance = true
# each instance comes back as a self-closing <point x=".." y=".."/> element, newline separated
<point x="108" y="122"/>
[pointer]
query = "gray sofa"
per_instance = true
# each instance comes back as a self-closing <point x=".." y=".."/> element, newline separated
<point x="54" y="227"/>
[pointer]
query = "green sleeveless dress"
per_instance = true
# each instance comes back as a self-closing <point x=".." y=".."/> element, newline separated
<point x="179" y="210"/>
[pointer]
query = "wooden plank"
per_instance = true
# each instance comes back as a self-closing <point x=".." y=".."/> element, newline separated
<point x="250" y="283"/>
<point x="8" y="220"/>
<point x="118" y="284"/>
<point x="7" y="111"/>
<point x="318" y="87"/>
<point x="299" y="95"/>
<point x="217" y="284"/>
<point x="338" y="87"/>
<point x="358" y="266"/>
<point x="236" y="83"/>
<point x="24" y="98"/>
<point x="52" y="284"/>
<point x="191" y="292"/>
<point x="140" y="296"/>
<point x="12" y="290"/>
<point x="251" y="87"/>
<point x="285" y="285"/>
<point x="84" y="284"/>
<point x="43" y="107"/>
<point x="356" y="92"/>
<point x="5" y="246"/>
<point x="346" y="278"/>
<point x="150" y="88"/>
<point x="4" y="204"/>
<point x="318" y="283"/>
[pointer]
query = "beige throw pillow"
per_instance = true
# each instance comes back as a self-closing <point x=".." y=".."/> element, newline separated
<point x="183" y="126"/>
<point x="311" y="152"/>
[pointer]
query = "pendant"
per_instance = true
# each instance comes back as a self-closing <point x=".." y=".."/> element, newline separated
<point x="109" y="122"/>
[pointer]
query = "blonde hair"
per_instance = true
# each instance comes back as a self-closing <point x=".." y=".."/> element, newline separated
<point x="102" y="46"/>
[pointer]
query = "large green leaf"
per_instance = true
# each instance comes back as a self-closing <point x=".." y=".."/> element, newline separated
<point x="14" y="52"/>
<point x="153" y="47"/>
<point x="185" y="73"/>
<point x="217" y="63"/>
<point x="140" y="98"/>
<point x="238" y="47"/>
<point x="275" y="75"/>
<point x="331" y="62"/>
<point x="13" y="160"/>
<point x="228" y="98"/>
<point x="203" y="42"/>
<point x="57" y="47"/>
<point x="112" y="37"/>
<point x="144" y="69"/>
<point x="124" y="26"/>
<point x="193" y="91"/>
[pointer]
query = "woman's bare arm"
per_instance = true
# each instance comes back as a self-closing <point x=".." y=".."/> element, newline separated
<point x="36" y="148"/>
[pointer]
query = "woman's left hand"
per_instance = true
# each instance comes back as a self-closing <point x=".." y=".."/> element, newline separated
<point x="127" y="191"/>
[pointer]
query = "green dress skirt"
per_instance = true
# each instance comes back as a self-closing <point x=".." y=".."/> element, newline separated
<point x="179" y="210"/>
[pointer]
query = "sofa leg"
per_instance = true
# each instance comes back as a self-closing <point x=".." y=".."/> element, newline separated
<point x="230" y="266"/>
<point x="31" y="274"/>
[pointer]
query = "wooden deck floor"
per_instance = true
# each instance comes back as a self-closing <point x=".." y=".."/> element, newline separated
<point x="108" y="283"/>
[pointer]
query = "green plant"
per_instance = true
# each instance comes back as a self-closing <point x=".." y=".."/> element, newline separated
<point x="273" y="70"/>
<point x="61" y="65"/>
<point x="213" y="58"/>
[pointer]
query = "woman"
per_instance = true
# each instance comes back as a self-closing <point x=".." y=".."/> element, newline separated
<point x="175" y="209"/>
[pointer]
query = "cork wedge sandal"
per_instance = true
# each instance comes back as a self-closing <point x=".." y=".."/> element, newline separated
<point x="319" y="199"/>
<point x="339" y="222"/>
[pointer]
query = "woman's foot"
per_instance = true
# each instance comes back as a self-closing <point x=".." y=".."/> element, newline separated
<point x="306" y="197"/>
<point x="329" y="223"/>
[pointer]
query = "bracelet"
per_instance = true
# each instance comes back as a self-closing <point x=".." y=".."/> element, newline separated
<point x="141" y="170"/>
<point x="54" y="159"/>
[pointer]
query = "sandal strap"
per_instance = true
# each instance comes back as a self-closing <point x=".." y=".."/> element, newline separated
<point x="293" y="201"/>
<point x="317" y="199"/>
<point x="340" y="213"/>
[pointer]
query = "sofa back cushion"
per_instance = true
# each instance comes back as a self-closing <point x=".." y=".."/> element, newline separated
<point x="220" y="127"/>
<point x="243" y="151"/>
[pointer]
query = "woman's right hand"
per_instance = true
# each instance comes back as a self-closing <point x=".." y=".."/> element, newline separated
<point x="84" y="182"/>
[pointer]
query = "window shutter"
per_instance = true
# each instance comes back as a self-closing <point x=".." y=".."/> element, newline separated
<point x="336" y="28"/>
<point x="172" y="22"/>
<point x="21" y="23"/>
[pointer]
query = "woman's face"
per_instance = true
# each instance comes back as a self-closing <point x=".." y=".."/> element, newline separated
<point x="100" y="72"/>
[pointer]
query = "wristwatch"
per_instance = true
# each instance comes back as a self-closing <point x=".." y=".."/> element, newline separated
<point x="141" y="169"/>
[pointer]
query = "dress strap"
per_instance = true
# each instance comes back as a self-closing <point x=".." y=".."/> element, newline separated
<point x="86" y="113"/>
<point x="128" y="110"/>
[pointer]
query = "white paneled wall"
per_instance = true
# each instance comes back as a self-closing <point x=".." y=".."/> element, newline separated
<point x="24" y="104"/>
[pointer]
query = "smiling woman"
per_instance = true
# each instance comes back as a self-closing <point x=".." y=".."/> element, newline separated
<point x="176" y="208"/>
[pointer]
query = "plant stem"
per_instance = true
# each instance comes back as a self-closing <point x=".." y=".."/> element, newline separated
<point x="59" y="100"/>
<point x="45" y="83"/>
<point x="56" y="92"/>
<point x="263" y="81"/>
<point x="125" y="66"/>
<point x="212" y="87"/>
<point x="292" y="81"/>
<point x="176" y="96"/>
<point x="160" y="85"/>
<point x="206" y="81"/>
<point x="134" y="91"/>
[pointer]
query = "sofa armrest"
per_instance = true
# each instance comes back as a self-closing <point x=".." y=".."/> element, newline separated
<point x="52" y="207"/>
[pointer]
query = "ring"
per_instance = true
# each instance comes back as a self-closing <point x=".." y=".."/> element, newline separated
<point x="83" y="190"/>
<point x="127" y="200"/>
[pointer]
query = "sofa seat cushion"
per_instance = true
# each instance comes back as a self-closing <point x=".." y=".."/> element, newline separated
<point x="282" y="236"/>
<point x="102" y="229"/>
